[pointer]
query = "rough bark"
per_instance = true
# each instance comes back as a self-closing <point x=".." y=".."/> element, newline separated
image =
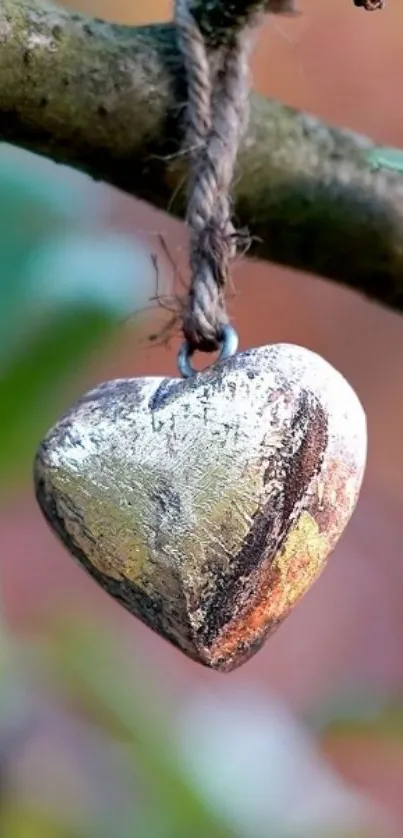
<point x="109" y="99"/>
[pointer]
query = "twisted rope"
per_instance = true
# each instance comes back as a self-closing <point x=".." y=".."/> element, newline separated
<point x="217" y="111"/>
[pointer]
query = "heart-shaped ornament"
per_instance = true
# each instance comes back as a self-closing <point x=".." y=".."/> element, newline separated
<point x="208" y="506"/>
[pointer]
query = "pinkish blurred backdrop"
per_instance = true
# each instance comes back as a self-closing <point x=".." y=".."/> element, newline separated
<point x="347" y="67"/>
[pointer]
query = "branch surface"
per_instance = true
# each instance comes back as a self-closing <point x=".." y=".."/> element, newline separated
<point x="109" y="99"/>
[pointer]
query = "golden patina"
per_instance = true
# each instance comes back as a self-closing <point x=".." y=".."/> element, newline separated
<point x="299" y="562"/>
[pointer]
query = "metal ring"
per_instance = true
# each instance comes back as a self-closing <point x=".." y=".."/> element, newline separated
<point x="228" y="346"/>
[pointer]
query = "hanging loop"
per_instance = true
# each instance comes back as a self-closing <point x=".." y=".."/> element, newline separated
<point x="228" y="345"/>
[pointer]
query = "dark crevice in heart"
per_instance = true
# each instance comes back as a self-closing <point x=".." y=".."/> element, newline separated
<point x="271" y="525"/>
<point x="307" y="461"/>
<point x="113" y="391"/>
<point x="150" y="610"/>
<point x="164" y="390"/>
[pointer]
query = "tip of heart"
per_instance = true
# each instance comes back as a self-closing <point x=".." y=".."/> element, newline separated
<point x="208" y="506"/>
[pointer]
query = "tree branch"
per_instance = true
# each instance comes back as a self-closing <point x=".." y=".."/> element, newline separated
<point x="109" y="99"/>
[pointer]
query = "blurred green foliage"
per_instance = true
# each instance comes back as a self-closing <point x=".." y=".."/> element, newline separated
<point x="64" y="288"/>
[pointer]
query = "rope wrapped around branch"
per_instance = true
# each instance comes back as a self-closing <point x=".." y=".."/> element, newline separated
<point x="217" y="115"/>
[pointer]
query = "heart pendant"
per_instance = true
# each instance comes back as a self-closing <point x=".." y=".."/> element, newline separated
<point x="208" y="506"/>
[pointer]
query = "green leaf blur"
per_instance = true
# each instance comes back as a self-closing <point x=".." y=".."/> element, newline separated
<point x="64" y="289"/>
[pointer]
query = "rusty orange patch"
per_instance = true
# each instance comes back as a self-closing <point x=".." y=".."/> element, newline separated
<point x="285" y="580"/>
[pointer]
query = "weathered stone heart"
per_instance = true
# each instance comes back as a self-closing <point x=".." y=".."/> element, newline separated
<point x="208" y="506"/>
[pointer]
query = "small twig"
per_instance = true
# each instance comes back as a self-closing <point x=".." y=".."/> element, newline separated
<point x="370" y="5"/>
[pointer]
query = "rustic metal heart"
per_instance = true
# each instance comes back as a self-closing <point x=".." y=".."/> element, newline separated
<point x="208" y="506"/>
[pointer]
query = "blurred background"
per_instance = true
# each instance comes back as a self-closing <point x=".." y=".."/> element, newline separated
<point x="104" y="729"/>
